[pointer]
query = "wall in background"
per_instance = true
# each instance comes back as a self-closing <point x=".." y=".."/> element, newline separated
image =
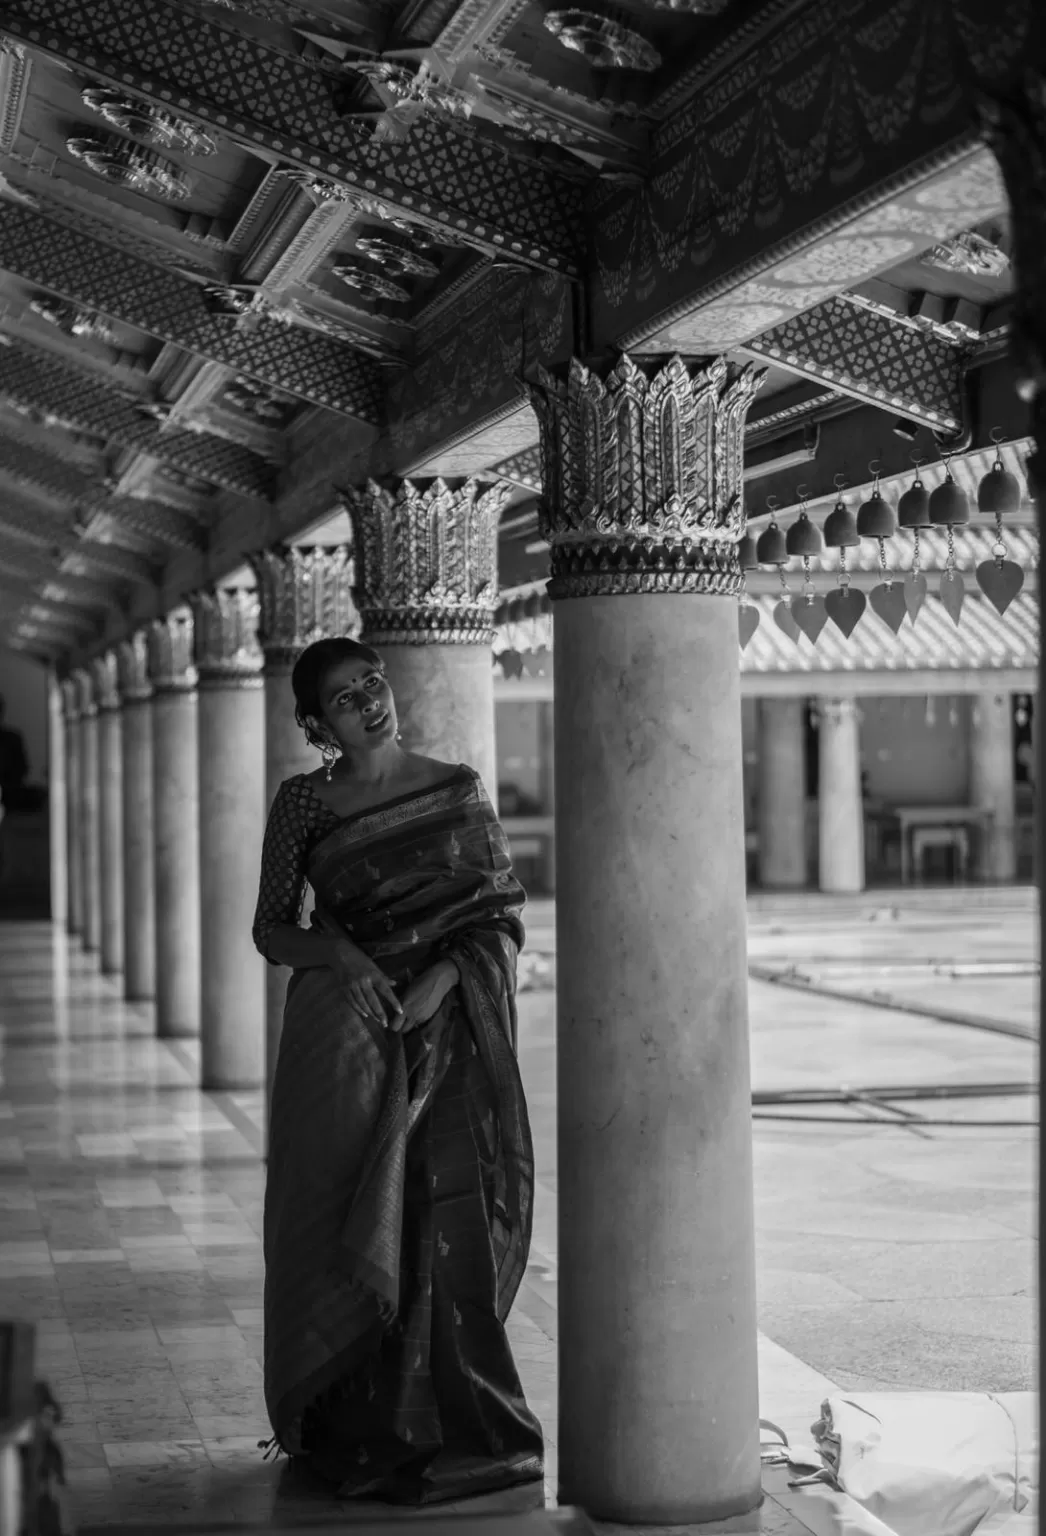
<point x="23" y="684"/>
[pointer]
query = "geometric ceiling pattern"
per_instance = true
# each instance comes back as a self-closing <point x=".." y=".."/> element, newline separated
<point x="105" y="279"/>
<point x="323" y="239"/>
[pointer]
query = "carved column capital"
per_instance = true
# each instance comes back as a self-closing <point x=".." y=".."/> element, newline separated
<point x="426" y="553"/>
<point x="104" y="678"/>
<point x="225" y="627"/>
<point x="169" y="643"/>
<point x="304" y="595"/>
<point x="132" y="669"/>
<point x="837" y="711"/>
<point x="642" y="475"/>
<point x="86" y="703"/>
<point x="70" y="699"/>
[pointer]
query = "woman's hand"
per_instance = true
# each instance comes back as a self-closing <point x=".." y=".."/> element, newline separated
<point x="365" y="984"/>
<point x="423" y="997"/>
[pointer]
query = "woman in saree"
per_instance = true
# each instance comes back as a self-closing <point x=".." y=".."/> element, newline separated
<point x="400" y="1176"/>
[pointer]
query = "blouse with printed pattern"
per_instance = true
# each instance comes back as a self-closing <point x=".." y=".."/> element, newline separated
<point x="297" y="821"/>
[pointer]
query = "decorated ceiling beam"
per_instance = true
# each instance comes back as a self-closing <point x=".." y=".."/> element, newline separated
<point x="875" y="358"/>
<point x="102" y="278"/>
<point x="41" y="383"/>
<point x="23" y="524"/>
<point x="70" y="487"/>
<point x="297" y="108"/>
<point x="798" y="169"/>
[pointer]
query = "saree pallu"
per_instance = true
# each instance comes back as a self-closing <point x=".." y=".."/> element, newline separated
<point x="398" y="1203"/>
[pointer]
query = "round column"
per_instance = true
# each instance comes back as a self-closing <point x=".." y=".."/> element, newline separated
<point x="176" y="827"/>
<point x="138" y="828"/>
<point x="993" y="786"/>
<point x="90" y="852"/>
<point x="232" y="820"/>
<point x="59" y="788"/>
<point x="427" y="603"/>
<point x="304" y="594"/>
<point x="839" y="802"/>
<point x="71" y="753"/>
<point x="782" y="794"/>
<point x="658" y="1397"/>
<point x="110" y="812"/>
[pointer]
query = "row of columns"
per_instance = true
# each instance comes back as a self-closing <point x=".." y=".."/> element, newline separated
<point x="658" y="1383"/>
<point x="841" y="854"/>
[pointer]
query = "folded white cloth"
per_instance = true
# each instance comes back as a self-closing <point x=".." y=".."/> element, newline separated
<point x="935" y="1463"/>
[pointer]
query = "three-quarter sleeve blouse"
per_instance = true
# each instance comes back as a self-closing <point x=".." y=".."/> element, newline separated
<point x="298" y="818"/>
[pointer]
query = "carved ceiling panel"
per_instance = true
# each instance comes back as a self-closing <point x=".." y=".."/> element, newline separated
<point x="258" y="93"/>
<point x="57" y="393"/>
<point x="174" y="309"/>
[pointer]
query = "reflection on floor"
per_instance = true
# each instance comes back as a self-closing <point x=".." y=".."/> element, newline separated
<point x="890" y="1255"/>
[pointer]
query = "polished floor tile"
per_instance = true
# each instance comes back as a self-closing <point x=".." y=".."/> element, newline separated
<point x="893" y="1251"/>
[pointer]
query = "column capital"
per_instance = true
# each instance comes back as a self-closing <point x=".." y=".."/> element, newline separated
<point x="70" y="699"/>
<point x="132" y="669"/>
<point x="169" y="643"/>
<point x="426" y="553"/>
<point x="104" y="678"/>
<point x="642" y="475"/>
<point x="225" y="629"/>
<point x="304" y="595"/>
<point x="838" y="710"/>
<point x="86" y="703"/>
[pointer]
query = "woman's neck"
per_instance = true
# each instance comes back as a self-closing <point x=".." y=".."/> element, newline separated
<point x="373" y="768"/>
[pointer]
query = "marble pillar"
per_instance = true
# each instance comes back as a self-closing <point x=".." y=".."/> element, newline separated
<point x="304" y="595"/>
<point x="110" y="812"/>
<point x="427" y="605"/>
<point x="782" y="794"/>
<point x="993" y="786"/>
<point x="74" y="868"/>
<point x="136" y="694"/>
<point x="839" y="801"/>
<point x="88" y="815"/>
<point x="176" y="808"/>
<point x="232" y="821"/>
<point x="658" y="1396"/>
<point x="57" y="804"/>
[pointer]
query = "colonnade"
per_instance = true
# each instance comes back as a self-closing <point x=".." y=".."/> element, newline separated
<point x="660" y="1425"/>
<point x="781" y="808"/>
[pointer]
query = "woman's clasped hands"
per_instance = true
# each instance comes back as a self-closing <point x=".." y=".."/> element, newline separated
<point x="372" y="994"/>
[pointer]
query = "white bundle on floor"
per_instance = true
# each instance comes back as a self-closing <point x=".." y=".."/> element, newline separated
<point x="935" y="1463"/>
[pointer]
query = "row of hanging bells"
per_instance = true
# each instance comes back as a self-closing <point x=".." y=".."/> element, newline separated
<point x="896" y="597"/>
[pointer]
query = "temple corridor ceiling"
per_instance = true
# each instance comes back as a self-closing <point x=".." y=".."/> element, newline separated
<point x="252" y="251"/>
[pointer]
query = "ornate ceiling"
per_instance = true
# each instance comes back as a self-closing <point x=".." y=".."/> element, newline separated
<point x="252" y="251"/>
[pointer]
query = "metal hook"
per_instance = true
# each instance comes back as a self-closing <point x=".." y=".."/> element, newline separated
<point x="997" y="436"/>
<point x="800" y="491"/>
<point x="771" y="502"/>
<point x="839" y="481"/>
<point x="917" y="459"/>
<point x="873" y="467"/>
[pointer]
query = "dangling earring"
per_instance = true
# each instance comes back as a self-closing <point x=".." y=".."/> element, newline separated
<point x="399" y="735"/>
<point x="330" y="755"/>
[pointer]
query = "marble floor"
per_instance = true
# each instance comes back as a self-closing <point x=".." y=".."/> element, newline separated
<point x="894" y="1251"/>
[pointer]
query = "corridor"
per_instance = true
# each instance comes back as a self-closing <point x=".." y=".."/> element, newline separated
<point x="889" y="1256"/>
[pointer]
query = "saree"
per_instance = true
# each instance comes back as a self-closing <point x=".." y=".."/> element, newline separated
<point x="399" y="1193"/>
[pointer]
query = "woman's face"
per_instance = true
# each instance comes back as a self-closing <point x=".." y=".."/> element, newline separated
<point x="358" y="708"/>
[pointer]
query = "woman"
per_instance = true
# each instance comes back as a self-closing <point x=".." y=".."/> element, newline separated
<point x="400" y="1181"/>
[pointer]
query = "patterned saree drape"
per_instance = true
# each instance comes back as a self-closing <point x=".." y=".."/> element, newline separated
<point x="400" y="1179"/>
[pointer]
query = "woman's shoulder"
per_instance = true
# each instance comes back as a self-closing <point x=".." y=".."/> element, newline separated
<point x="296" y="794"/>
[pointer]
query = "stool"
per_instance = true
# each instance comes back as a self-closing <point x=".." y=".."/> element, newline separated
<point x="955" y="838"/>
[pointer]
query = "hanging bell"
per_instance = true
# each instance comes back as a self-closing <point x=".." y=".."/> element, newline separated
<point x="913" y="509"/>
<point x="876" y="518"/>
<point x="999" y="492"/>
<point x="840" y="529"/>
<point x="746" y="552"/>
<point x="949" y="504"/>
<point x="804" y="537"/>
<point x="772" y="548"/>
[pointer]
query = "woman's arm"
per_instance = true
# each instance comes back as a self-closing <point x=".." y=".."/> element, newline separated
<point x="301" y="949"/>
